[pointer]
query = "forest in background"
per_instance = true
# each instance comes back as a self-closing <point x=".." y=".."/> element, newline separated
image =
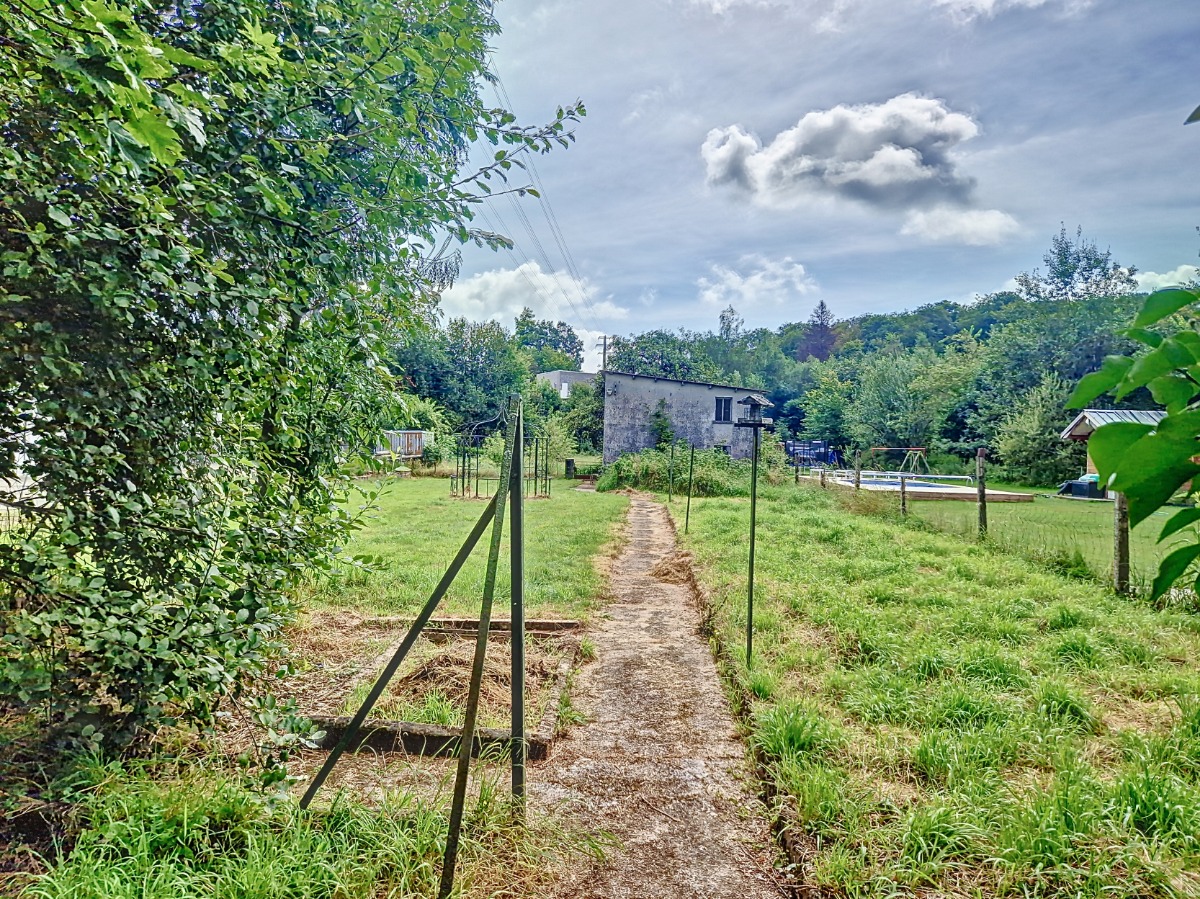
<point x="950" y="377"/>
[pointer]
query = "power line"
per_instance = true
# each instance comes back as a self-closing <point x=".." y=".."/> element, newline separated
<point x="502" y="96"/>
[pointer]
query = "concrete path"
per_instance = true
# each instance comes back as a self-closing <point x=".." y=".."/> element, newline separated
<point x="658" y="763"/>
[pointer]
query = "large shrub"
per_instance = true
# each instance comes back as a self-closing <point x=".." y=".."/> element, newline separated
<point x="211" y="224"/>
<point x="1029" y="438"/>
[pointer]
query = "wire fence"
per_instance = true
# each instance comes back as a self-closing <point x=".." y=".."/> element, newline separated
<point x="1075" y="537"/>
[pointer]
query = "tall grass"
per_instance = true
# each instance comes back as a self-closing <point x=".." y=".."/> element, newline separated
<point x="945" y="718"/>
<point x="183" y="832"/>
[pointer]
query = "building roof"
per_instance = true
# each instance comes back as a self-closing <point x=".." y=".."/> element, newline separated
<point x="625" y="374"/>
<point x="1090" y="419"/>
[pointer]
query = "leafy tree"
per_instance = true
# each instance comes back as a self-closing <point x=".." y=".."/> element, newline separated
<point x="662" y="354"/>
<point x="1029" y="438"/>
<point x="1076" y="270"/>
<point x="825" y="409"/>
<point x="583" y="415"/>
<point x="213" y="223"/>
<point x="552" y="346"/>
<point x="820" y="337"/>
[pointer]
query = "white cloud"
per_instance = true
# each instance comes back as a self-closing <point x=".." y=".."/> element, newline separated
<point x="967" y="10"/>
<point x="895" y="153"/>
<point x="1151" y="281"/>
<point x="501" y="294"/>
<point x="974" y="227"/>
<point x="755" y="283"/>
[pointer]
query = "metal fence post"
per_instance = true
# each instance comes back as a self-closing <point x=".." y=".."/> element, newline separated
<point x="1120" y="543"/>
<point x="981" y="489"/>
<point x="750" y="573"/>
<point x="467" y="741"/>
<point x="517" y="617"/>
<point x="687" y="516"/>
<point x="671" y="476"/>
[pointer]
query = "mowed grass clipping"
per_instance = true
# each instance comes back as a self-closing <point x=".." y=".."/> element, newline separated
<point x="418" y="527"/>
<point x="942" y="718"/>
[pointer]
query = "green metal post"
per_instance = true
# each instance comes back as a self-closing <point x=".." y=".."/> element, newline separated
<point x="410" y="638"/>
<point x="687" y="517"/>
<point x="517" y="617"/>
<point x="750" y="577"/>
<point x="459" y="799"/>
<point x="671" y="476"/>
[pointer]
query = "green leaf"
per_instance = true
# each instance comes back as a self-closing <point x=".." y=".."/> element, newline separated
<point x="1194" y="117"/>
<point x="1108" y="444"/>
<point x="1168" y="357"/>
<point x="1144" y="335"/>
<point x="1151" y="469"/>
<point x="1172" y="390"/>
<point x="60" y="216"/>
<point x="154" y="133"/>
<point x="1179" y="521"/>
<point x="1170" y="569"/>
<point x="1112" y="371"/>
<point x="1162" y="303"/>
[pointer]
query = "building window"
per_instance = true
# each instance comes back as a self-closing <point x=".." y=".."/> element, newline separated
<point x="724" y="409"/>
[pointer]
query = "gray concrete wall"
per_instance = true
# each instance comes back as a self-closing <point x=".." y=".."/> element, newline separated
<point x="630" y="401"/>
<point x="564" y="381"/>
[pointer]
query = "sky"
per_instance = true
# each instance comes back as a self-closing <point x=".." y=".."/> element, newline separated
<point x="875" y="154"/>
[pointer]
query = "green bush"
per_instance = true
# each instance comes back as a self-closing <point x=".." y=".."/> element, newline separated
<point x="715" y="474"/>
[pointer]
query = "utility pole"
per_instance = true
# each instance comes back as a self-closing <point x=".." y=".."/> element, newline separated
<point x="604" y="345"/>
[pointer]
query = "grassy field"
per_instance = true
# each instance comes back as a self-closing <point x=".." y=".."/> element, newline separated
<point x="189" y="825"/>
<point x="418" y="528"/>
<point x="1063" y="531"/>
<point x="946" y="719"/>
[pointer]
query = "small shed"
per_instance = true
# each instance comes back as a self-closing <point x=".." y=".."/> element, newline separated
<point x="1089" y="419"/>
<point x="404" y="444"/>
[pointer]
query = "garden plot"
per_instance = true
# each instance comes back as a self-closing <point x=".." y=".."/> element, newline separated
<point x="422" y="708"/>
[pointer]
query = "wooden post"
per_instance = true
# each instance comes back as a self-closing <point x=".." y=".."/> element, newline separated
<point x="1120" y="544"/>
<point x="903" y="495"/>
<point x="981" y="489"/>
<point x="822" y="477"/>
<point x="857" y="469"/>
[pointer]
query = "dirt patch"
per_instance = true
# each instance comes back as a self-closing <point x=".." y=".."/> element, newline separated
<point x="443" y="679"/>
<point x="658" y="763"/>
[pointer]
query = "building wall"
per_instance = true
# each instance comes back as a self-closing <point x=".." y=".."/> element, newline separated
<point x="631" y="400"/>
<point x="564" y="381"/>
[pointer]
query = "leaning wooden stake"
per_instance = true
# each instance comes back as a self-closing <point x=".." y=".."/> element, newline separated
<point x="1120" y="543"/>
<point x="459" y="800"/>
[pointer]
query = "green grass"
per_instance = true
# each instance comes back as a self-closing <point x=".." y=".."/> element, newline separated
<point x="418" y="528"/>
<point x="1072" y="535"/>
<point x="943" y="716"/>
<point x="187" y="832"/>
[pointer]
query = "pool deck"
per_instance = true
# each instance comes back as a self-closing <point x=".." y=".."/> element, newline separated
<point x="922" y="494"/>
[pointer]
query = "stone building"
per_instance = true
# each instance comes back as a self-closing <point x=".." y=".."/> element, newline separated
<point x="701" y="414"/>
